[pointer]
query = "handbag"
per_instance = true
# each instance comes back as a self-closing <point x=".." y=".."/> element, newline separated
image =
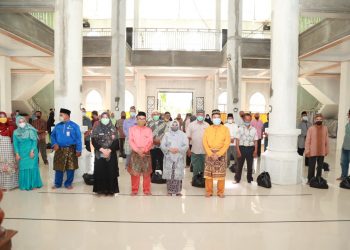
<point x="198" y="180"/>
<point x="318" y="182"/>
<point x="264" y="180"/>
<point x="157" y="177"/>
<point x="88" y="179"/>
<point x="345" y="183"/>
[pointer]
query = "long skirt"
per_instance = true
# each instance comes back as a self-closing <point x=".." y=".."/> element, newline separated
<point x="174" y="186"/>
<point x="30" y="179"/>
<point x="215" y="169"/>
<point x="106" y="174"/>
<point x="8" y="165"/>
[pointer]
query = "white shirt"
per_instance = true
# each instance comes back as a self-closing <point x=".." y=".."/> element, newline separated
<point x="247" y="136"/>
<point x="233" y="128"/>
<point x="195" y="131"/>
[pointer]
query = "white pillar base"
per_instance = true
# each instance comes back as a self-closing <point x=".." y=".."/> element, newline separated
<point x="282" y="160"/>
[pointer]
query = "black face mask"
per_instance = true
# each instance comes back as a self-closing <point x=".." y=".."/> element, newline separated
<point x="123" y="116"/>
<point x="319" y="123"/>
<point x="38" y="116"/>
<point x="256" y="117"/>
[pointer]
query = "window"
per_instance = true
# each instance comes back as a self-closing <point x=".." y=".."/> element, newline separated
<point x="129" y="100"/>
<point x="257" y="103"/>
<point x="222" y="102"/>
<point x="94" y="101"/>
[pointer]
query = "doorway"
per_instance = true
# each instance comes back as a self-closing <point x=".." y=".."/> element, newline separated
<point x="175" y="102"/>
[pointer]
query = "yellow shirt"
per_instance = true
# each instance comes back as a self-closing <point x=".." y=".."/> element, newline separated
<point x="216" y="138"/>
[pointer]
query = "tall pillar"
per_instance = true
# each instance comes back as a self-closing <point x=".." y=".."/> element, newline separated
<point x="234" y="60"/>
<point x="218" y="24"/>
<point x="68" y="71"/>
<point x="118" y="56"/>
<point x="216" y="89"/>
<point x="209" y="97"/>
<point x="344" y="106"/>
<point x="281" y="159"/>
<point x="140" y="84"/>
<point x="5" y="85"/>
<point x="68" y="57"/>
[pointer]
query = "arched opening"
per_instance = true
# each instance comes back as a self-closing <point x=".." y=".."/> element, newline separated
<point x="257" y="103"/>
<point x="129" y="100"/>
<point x="94" y="101"/>
<point x="222" y="102"/>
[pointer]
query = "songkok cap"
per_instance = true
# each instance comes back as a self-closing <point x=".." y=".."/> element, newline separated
<point x="141" y="113"/>
<point x="216" y="112"/>
<point x="65" y="111"/>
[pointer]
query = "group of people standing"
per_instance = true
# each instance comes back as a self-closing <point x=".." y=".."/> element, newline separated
<point x="156" y="144"/>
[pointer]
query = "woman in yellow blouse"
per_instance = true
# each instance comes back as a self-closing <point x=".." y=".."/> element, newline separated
<point x="216" y="141"/>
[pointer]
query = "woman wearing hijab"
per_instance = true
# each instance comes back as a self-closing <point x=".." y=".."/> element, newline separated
<point x="174" y="146"/>
<point x="25" y="139"/>
<point x="8" y="166"/>
<point x="105" y="141"/>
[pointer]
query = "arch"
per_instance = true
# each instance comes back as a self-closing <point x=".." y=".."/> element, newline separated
<point x="222" y="102"/>
<point x="94" y="100"/>
<point x="257" y="103"/>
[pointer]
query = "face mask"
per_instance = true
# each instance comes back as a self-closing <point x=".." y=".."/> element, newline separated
<point x="132" y="114"/>
<point x="175" y="128"/>
<point x="156" y="117"/>
<point x="3" y="120"/>
<point x="216" y="121"/>
<point x="141" y="123"/>
<point x="123" y="116"/>
<point x="105" y="121"/>
<point x="200" y="118"/>
<point x="256" y="117"/>
<point x="319" y="123"/>
<point x="22" y="124"/>
<point x="61" y="119"/>
<point x="305" y="118"/>
<point x="84" y="113"/>
<point x="166" y="119"/>
<point x="207" y="117"/>
<point x="38" y="116"/>
<point x="230" y="121"/>
<point x="247" y="124"/>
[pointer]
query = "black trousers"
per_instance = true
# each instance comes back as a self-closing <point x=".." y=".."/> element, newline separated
<point x="312" y="164"/>
<point x="121" y="149"/>
<point x="188" y="158"/>
<point x="259" y="148"/>
<point x="88" y="146"/>
<point x="301" y="153"/>
<point x="247" y="154"/>
<point x="157" y="157"/>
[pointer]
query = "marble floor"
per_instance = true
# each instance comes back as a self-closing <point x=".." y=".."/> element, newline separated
<point x="250" y="217"/>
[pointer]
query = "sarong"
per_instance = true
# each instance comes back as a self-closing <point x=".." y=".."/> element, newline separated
<point x="140" y="165"/>
<point x="65" y="159"/>
<point x="215" y="169"/>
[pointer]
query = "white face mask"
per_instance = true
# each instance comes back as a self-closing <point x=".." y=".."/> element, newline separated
<point x="305" y="118"/>
<point x="22" y="124"/>
<point x="61" y="119"/>
<point x="230" y="121"/>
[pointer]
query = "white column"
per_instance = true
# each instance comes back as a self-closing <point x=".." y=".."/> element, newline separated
<point x="216" y="90"/>
<point x="140" y="84"/>
<point x="68" y="57"/>
<point x="243" y="96"/>
<point x="107" y="101"/>
<point x="344" y="106"/>
<point x="136" y="14"/>
<point x="68" y="70"/>
<point x="234" y="60"/>
<point x="218" y="24"/>
<point x="5" y="85"/>
<point x="118" y="56"/>
<point x="281" y="159"/>
<point x="209" y="97"/>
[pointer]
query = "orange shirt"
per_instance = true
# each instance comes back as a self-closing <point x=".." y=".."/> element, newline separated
<point x="216" y="138"/>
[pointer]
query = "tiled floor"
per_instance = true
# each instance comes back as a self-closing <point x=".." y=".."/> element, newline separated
<point x="250" y="217"/>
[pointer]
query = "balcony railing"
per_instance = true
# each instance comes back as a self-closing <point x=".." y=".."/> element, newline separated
<point x="177" y="39"/>
<point x="256" y="34"/>
<point x="97" y="32"/>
